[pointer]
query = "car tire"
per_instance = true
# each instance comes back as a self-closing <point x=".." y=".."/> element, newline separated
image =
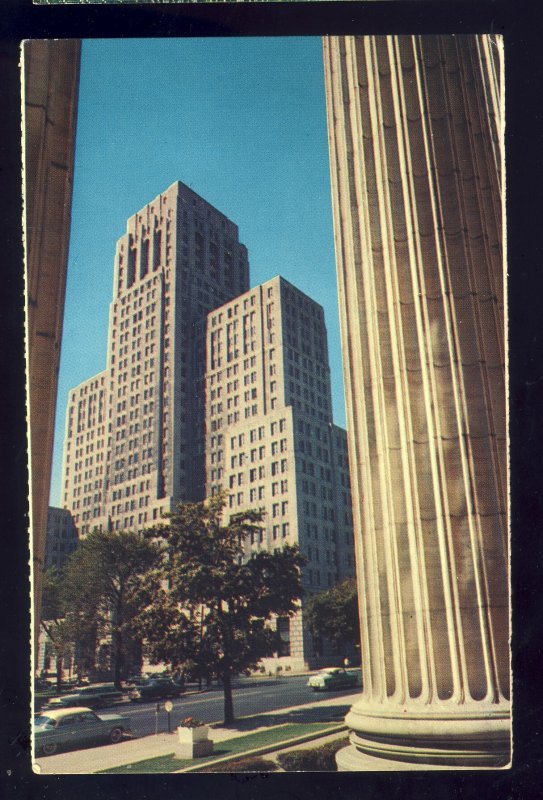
<point x="49" y="749"/>
<point x="116" y="735"/>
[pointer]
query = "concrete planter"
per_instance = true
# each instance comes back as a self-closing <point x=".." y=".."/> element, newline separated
<point x="189" y="735"/>
<point x="193" y="742"/>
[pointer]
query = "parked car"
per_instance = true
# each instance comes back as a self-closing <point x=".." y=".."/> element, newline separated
<point x="75" y="727"/>
<point x="332" y="678"/>
<point x="133" y="679"/>
<point x="155" y="688"/>
<point x="96" y="695"/>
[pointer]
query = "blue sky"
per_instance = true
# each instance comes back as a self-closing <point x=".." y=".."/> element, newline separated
<point x="243" y="123"/>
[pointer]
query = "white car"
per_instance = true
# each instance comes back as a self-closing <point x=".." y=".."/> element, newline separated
<point x="333" y="678"/>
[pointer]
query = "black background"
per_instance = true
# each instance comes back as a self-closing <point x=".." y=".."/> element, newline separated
<point x="521" y="24"/>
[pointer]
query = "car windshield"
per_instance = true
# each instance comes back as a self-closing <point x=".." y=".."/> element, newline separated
<point x="42" y="721"/>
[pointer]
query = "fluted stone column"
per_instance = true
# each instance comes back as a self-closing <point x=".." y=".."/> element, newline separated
<point x="415" y="142"/>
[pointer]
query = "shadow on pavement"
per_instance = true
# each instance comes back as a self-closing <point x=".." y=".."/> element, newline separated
<point x="335" y="713"/>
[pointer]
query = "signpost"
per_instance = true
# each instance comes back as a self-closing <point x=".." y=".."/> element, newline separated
<point x="168" y="706"/>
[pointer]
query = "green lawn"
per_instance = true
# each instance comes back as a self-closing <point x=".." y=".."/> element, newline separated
<point x="230" y="747"/>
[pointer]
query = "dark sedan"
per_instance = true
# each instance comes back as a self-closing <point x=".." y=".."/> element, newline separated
<point x="155" y="689"/>
<point x="96" y="695"/>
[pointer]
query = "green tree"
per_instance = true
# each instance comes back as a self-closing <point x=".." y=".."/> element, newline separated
<point x="215" y="607"/>
<point x="109" y="580"/>
<point x="53" y="618"/>
<point x="333" y="615"/>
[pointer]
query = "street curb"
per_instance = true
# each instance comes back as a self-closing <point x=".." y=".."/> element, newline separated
<point x="269" y="748"/>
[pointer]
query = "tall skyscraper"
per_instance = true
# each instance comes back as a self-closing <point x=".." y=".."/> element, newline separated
<point x="210" y="386"/>
<point x="416" y="154"/>
<point x="271" y="441"/>
<point x="134" y="442"/>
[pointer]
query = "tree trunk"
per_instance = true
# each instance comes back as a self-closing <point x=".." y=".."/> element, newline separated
<point x="228" y="701"/>
<point x="117" y="657"/>
<point x="60" y="659"/>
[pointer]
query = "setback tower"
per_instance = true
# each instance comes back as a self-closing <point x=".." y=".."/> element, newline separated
<point x="179" y="258"/>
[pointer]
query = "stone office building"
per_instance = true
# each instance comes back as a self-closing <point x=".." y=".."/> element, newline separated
<point x="134" y="444"/>
<point x="271" y="442"/>
<point x="62" y="538"/>
<point x="85" y="449"/>
<point x="211" y="386"/>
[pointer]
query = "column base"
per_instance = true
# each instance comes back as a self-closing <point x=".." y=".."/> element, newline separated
<point x="349" y="759"/>
<point x="448" y="736"/>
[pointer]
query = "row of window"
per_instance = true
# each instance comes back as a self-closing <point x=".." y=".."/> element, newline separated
<point x="230" y="313"/>
<point x="89" y="387"/>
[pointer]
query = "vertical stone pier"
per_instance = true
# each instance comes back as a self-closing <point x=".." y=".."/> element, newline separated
<point x="50" y="96"/>
<point x="416" y="162"/>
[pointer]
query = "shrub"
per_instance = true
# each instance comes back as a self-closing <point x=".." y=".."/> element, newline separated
<point x="191" y="722"/>
<point x="246" y="765"/>
<point x="316" y="759"/>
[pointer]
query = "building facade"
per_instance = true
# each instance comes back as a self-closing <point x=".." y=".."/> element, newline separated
<point x="270" y="439"/>
<point x="85" y="452"/>
<point x="134" y="444"/>
<point x="210" y="386"/>
<point x="416" y="141"/>
<point x="62" y="537"/>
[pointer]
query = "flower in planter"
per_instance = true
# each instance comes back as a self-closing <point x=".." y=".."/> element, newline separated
<point x="190" y="722"/>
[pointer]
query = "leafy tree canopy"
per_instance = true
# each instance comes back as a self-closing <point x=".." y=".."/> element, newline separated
<point x="215" y="605"/>
<point x="333" y="614"/>
<point x="54" y="619"/>
<point x="109" y="579"/>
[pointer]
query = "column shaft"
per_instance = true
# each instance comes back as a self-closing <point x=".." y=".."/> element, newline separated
<point x="416" y="155"/>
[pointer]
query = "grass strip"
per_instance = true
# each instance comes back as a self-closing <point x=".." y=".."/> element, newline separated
<point x="221" y="764"/>
<point x="223" y="750"/>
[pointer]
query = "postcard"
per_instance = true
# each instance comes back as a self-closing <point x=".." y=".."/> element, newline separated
<point x="266" y="317"/>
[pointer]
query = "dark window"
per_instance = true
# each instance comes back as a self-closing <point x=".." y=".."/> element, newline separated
<point x="283" y="628"/>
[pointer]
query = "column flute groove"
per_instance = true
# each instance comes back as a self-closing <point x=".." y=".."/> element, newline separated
<point x="449" y="571"/>
<point x="348" y="293"/>
<point x="389" y="523"/>
<point x="365" y="301"/>
<point x="462" y="414"/>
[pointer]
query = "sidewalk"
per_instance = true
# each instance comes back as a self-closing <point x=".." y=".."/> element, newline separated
<point x="264" y="732"/>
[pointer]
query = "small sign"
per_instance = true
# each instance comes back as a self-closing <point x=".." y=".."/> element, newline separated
<point x="168" y="706"/>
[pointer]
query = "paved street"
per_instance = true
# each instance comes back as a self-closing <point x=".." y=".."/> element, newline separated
<point x="251" y="696"/>
<point x="317" y="713"/>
